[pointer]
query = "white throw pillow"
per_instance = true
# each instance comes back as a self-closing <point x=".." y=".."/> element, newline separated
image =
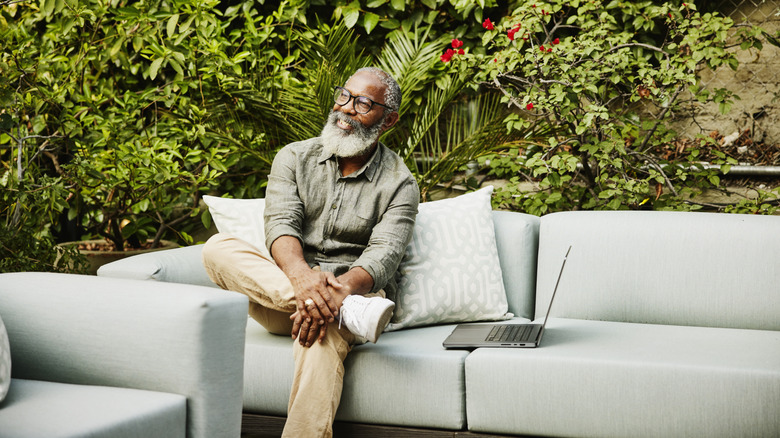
<point x="242" y="218"/>
<point x="5" y="362"/>
<point x="451" y="272"/>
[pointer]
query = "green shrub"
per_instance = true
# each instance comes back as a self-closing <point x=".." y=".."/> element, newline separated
<point x="103" y="126"/>
<point x="606" y="77"/>
<point x="23" y="250"/>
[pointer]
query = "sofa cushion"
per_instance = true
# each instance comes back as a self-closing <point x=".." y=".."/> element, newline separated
<point x="242" y="218"/>
<point x="517" y="240"/>
<point x="406" y="379"/>
<point x="37" y="409"/>
<point x="451" y="271"/>
<point x="705" y="269"/>
<point x="5" y="361"/>
<point x="612" y="379"/>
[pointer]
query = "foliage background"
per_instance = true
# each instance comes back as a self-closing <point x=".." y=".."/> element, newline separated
<point x="117" y="115"/>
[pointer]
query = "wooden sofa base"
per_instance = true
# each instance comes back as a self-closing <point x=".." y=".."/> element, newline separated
<point x="268" y="426"/>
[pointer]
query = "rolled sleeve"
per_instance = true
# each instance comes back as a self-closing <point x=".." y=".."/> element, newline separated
<point x="390" y="237"/>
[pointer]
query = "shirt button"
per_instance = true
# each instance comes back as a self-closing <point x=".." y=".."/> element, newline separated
<point x="333" y="206"/>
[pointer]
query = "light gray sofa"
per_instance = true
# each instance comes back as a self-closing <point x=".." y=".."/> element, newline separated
<point x="665" y="324"/>
<point x="114" y="358"/>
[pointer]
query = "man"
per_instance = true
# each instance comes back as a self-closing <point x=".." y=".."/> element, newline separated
<point x="339" y="214"/>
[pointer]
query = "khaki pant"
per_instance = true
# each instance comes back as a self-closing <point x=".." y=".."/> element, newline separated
<point x="236" y="265"/>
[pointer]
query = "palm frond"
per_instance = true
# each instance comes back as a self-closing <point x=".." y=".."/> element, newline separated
<point x="410" y="61"/>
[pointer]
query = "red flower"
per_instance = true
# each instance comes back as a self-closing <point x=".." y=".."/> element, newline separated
<point x="487" y="24"/>
<point x="549" y="49"/>
<point x="447" y="56"/>
<point x="461" y="52"/>
<point x="511" y="32"/>
<point x="456" y="43"/>
<point x="556" y="41"/>
<point x="529" y="107"/>
<point x="541" y="48"/>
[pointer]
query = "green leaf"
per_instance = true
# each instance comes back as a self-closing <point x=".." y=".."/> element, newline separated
<point x="390" y="24"/>
<point x="155" y="67"/>
<point x="138" y="43"/>
<point x="205" y="218"/>
<point x="176" y="66"/>
<point x="128" y="12"/>
<point x="241" y="56"/>
<point x="39" y="124"/>
<point x="171" y="27"/>
<point x="219" y="166"/>
<point x="771" y="39"/>
<point x="184" y="27"/>
<point x="351" y="16"/>
<point x="398" y="5"/>
<point x="370" y="21"/>
<point x="68" y="26"/>
<point x="48" y="6"/>
<point x="116" y="47"/>
<point x="715" y="180"/>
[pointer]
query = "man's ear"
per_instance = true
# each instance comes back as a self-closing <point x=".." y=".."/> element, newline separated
<point x="390" y="121"/>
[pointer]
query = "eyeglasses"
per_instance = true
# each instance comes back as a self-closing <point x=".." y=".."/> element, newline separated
<point x="361" y="104"/>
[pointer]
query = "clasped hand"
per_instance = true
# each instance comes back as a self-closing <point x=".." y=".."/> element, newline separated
<point x="324" y="293"/>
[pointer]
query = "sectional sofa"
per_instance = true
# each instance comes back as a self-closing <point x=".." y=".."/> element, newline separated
<point x="666" y="324"/>
<point x="115" y="358"/>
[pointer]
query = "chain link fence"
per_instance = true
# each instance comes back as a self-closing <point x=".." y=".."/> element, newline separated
<point x="756" y="82"/>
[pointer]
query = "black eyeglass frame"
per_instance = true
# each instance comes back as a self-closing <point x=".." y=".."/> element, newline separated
<point x="354" y="99"/>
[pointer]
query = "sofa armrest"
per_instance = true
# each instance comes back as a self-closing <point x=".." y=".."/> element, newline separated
<point x="173" y="338"/>
<point x="179" y="265"/>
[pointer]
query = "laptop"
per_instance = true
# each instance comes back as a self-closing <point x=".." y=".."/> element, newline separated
<point x="499" y="334"/>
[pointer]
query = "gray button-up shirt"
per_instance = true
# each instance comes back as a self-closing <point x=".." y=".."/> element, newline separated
<point x="364" y="219"/>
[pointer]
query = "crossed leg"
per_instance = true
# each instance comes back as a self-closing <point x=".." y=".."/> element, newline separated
<point x="235" y="265"/>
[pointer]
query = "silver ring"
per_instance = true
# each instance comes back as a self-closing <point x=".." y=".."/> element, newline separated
<point x="309" y="302"/>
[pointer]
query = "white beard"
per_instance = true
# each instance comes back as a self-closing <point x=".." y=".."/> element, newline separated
<point x="348" y="144"/>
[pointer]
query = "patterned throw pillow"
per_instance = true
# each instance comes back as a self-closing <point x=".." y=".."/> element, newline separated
<point x="451" y="272"/>
<point x="242" y="218"/>
<point x="5" y="362"/>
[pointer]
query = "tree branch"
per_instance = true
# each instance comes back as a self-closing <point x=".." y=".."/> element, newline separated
<point x="659" y="119"/>
<point x="646" y="46"/>
<point x="660" y="170"/>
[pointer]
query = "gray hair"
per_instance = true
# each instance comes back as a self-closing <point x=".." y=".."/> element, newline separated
<point x="392" y="89"/>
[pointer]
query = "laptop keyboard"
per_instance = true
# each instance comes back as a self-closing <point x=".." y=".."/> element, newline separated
<point x="509" y="333"/>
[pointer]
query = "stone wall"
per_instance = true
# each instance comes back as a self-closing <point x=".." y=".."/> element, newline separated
<point x="757" y="82"/>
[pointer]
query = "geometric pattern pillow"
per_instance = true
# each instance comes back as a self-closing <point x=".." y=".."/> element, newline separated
<point x="5" y="362"/>
<point x="242" y="218"/>
<point x="450" y="271"/>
